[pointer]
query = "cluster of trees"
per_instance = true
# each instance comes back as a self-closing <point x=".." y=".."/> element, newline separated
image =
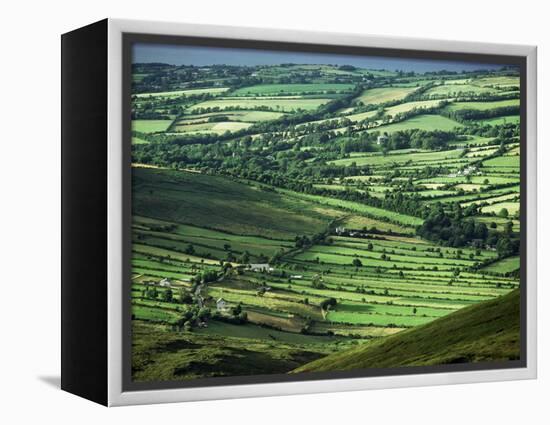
<point x="304" y="241"/>
<point x="465" y="115"/>
<point x="206" y="276"/>
<point x="455" y="228"/>
<point x="193" y="316"/>
<point x="167" y="295"/>
<point x="419" y="139"/>
<point x="236" y="316"/>
<point x="328" y="303"/>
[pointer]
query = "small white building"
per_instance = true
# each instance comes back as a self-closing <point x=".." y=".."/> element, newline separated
<point x="296" y="276"/>
<point x="260" y="267"/>
<point x="165" y="283"/>
<point x="221" y="304"/>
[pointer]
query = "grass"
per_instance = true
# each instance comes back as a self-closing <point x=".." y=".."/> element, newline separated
<point x="150" y="126"/>
<point x="223" y="204"/>
<point x="211" y="127"/>
<point x="503" y="161"/>
<point x="506" y="265"/>
<point x="510" y="119"/>
<point x="403" y="283"/>
<point x="501" y="82"/>
<point x="162" y="355"/>
<point x="385" y="94"/>
<point x="379" y="160"/>
<point x="138" y="141"/>
<point x="189" y="92"/>
<point x="421" y="122"/>
<point x="409" y="106"/>
<point x="512" y="207"/>
<point x="456" y="89"/>
<point x="367" y="210"/>
<point x="274" y="89"/>
<point x="283" y="105"/>
<point x="241" y="116"/>
<point x="358" y="222"/>
<point x="482" y="106"/>
<point x="488" y="331"/>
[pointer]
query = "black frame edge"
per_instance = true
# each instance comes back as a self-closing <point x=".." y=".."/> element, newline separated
<point x="84" y="212"/>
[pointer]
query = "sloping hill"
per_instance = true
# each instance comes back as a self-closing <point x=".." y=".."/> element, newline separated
<point x="488" y="331"/>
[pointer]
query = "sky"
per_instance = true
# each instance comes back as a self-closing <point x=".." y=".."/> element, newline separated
<point x="204" y="56"/>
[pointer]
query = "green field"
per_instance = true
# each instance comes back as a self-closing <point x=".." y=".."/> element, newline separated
<point x="506" y="265"/>
<point x="501" y="82"/>
<point x="383" y="95"/>
<point x="284" y="104"/>
<point x="511" y="119"/>
<point x="409" y="106"/>
<point x="275" y="89"/>
<point x="189" y="92"/>
<point x="451" y="90"/>
<point x="150" y="126"/>
<point x="482" y="106"/>
<point x="421" y="122"/>
<point x="297" y="217"/>
<point x="190" y="198"/>
<point x="210" y="127"/>
<point x="241" y="116"/>
<point x="399" y="158"/>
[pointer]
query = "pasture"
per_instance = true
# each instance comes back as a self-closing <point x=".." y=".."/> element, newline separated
<point x="482" y="106"/>
<point x="284" y="104"/>
<point x="178" y="93"/>
<point x="150" y="126"/>
<point x="421" y="122"/>
<point x="275" y="89"/>
<point x="452" y="90"/>
<point x="382" y="95"/>
<point x="272" y="227"/>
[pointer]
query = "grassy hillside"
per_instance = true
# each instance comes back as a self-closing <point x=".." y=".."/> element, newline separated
<point x="488" y="331"/>
<point x="222" y="204"/>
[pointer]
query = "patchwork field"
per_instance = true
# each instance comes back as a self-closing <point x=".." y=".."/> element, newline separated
<point x="275" y="89"/>
<point x="291" y="217"/>
<point x="383" y="95"/>
<point x="189" y="92"/>
<point x="283" y="104"/>
<point x="150" y="126"/>
<point x="421" y="122"/>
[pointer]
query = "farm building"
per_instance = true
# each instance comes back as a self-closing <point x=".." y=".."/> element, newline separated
<point x="221" y="304"/>
<point x="165" y="283"/>
<point x="382" y="140"/>
<point x="260" y="267"/>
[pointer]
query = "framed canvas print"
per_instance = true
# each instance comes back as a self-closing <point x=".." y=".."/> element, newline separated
<point x="249" y="212"/>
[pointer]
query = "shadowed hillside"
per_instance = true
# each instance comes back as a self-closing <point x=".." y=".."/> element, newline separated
<point x="488" y="331"/>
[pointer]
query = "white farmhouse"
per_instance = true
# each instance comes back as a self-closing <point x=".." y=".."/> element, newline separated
<point x="260" y="267"/>
<point x="221" y="305"/>
<point x="165" y="283"/>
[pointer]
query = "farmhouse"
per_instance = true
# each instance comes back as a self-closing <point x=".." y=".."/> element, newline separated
<point x="221" y="305"/>
<point x="260" y="267"/>
<point x="382" y="140"/>
<point x="165" y="283"/>
<point x="340" y="230"/>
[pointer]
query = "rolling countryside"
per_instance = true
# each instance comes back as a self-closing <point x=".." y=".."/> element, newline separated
<point x="299" y="218"/>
